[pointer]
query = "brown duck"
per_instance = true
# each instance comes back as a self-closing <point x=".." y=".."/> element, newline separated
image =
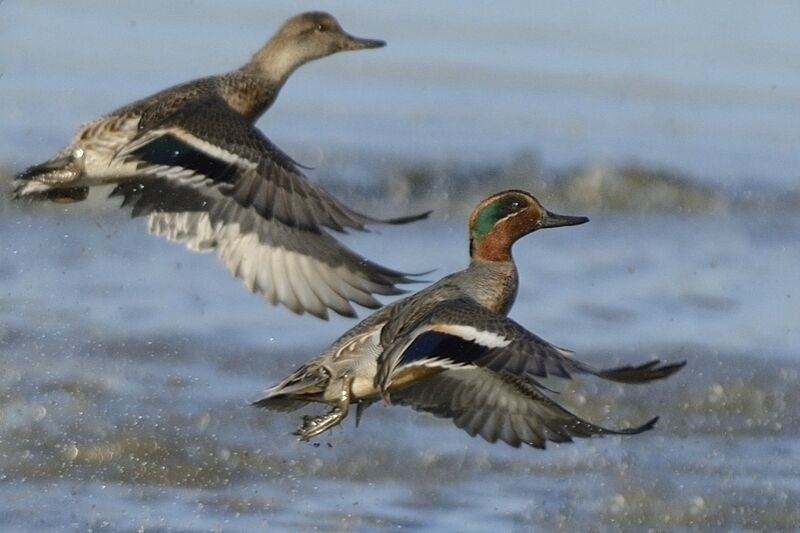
<point x="191" y="159"/>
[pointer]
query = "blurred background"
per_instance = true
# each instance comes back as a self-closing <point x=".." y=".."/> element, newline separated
<point x="128" y="362"/>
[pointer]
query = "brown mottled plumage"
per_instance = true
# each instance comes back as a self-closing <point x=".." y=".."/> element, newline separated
<point x="450" y="349"/>
<point x="191" y="159"/>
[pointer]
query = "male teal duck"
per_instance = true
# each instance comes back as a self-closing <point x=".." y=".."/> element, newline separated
<point x="451" y="350"/>
<point x="191" y="159"/>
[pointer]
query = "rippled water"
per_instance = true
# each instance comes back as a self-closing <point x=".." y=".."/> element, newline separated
<point x="127" y="363"/>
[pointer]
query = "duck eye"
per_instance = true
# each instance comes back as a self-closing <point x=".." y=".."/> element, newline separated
<point x="515" y="205"/>
<point x="320" y="27"/>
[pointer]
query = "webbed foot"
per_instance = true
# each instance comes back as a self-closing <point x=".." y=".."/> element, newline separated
<point x="314" y="425"/>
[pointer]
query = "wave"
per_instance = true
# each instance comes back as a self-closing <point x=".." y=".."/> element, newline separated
<point x="449" y="186"/>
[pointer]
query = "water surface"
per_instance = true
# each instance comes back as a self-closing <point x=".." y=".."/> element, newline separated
<point x="127" y="363"/>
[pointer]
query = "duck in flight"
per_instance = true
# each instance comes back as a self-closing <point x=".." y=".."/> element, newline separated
<point x="191" y="159"/>
<point x="451" y="350"/>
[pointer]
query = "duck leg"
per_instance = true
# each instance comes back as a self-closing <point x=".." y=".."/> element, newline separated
<point x="360" y="408"/>
<point x="314" y="425"/>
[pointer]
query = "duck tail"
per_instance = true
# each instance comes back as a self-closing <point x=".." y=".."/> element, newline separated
<point x="42" y="182"/>
<point x="644" y="373"/>
<point x="300" y="388"/>
<point x="279" y="403"/>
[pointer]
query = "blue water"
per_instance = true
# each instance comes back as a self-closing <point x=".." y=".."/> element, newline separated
<point x="710" y="89"/>
<point x="126" y="362"/>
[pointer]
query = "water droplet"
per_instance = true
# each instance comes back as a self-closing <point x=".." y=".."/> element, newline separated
<point x="71" y="452"/>
<point x="39" y="412"/>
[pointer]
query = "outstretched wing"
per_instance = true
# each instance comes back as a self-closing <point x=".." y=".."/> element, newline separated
<point x="213" y="181"/>
<point x="207" y="143"/>
<point x="304" y="269"/>
<point x="500" y="406"/>
<point x="462" y="332"/>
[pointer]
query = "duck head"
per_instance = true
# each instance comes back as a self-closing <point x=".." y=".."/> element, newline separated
<point x="304" y="38"/>
<point x="500" y="220"/>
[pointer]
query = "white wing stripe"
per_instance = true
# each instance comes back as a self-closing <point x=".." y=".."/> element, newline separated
<point x="469" y="333"/>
